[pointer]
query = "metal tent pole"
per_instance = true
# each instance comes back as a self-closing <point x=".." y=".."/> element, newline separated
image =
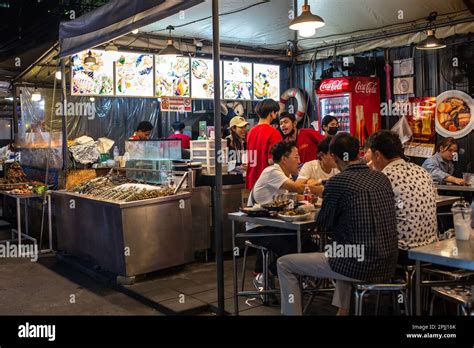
<point x="217" y="131"/>
<point x="64" y="118"/>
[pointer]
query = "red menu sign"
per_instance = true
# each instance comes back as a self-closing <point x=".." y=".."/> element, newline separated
<point x="175" y="104"/>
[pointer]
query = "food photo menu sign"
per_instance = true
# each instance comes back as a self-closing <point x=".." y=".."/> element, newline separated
<point x="237" y="80"/>
<point x="134" y="75"/>
<point x="97" y="79"/>
<point x="148" y="76"/>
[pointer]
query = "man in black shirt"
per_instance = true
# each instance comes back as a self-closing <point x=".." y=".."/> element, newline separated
<point x="358" y="208"/>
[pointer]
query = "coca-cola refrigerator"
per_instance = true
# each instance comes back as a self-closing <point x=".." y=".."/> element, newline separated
<point x="354" y="101"/>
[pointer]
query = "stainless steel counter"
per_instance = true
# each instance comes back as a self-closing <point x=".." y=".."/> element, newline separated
<point x="129" y="238"/>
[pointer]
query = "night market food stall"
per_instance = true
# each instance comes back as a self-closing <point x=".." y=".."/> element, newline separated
<point x="342" y="84"/>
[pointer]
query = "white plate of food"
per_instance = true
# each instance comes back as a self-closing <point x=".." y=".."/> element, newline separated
<point x="295" y="215"/>
<point x="454" y="114"/>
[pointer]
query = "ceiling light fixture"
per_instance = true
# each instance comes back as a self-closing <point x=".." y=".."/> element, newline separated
<point x="90" y="60"/>
<point x="36" y="95"/>
<point x="170" y="50"/>
<point x="307" y="23"/>
<point x="431" y="42"/>
<point x="58" y="74"/>
<point x="135" y="31"/>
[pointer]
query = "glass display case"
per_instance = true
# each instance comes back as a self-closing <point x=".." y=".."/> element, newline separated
<point x="151" y="161"/>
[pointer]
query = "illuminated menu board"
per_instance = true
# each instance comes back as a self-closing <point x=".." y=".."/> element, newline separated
<point x="237" y="80"/>
<point x="134" y="75"/>
<point x="266" y="81"/>
<point x="172" y="76"/>
<point x="147" y="75"/>
<point x="202" y="78"/>
<point x="97" y="79"/>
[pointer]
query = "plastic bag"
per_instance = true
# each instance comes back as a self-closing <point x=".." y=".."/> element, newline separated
<point x="104" y="145"/>
<point x="403" y="129"/>
<point x="83" y="140"/>
<point x="86" y="153"/>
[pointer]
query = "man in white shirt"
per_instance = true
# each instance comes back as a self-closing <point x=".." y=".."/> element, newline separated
<point x="415" y="196"/>
<point x="314" y="172"/>
<point x="274" y="180"/>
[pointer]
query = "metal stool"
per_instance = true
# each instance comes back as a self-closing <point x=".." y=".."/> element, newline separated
<point x="267" y="257"/>
<point x="460" y="295"/>
<point x="409" y="271"/>
<point x="362" y="288"/>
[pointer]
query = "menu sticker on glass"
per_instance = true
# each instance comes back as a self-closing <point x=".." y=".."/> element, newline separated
<point x="97" y="79"/>
<point x="172" y="76"/>
<point x="202" y="78"/>
<point x="237" y="80"/>
<point x="266" y="81"/>
<point x="134" y="75"/>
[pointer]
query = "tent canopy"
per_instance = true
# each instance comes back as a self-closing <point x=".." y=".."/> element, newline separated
<point x="115" y="19"/>
<point x="264" y="24"/>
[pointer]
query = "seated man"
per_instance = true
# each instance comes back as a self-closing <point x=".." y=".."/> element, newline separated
<point x="415" y="196"/>
<point x="314" y="172"/>
<point x="274" y="180"/>
<point x="358" y="208"/>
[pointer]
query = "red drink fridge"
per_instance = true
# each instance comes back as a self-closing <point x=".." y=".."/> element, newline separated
<point x="354" y="101"/>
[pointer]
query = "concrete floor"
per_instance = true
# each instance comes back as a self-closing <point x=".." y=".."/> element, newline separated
<point x="48" y="287"/>
<point x="53" y="287"/>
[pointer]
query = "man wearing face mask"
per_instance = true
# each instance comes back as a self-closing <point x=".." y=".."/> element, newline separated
<point x="306" y="139"/>
<point x="330" y="125"/>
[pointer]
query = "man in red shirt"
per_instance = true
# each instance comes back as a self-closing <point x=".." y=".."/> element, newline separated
<point x="306" y="139"/>
<point x="178" y="134"/>
<point x="143" y="131"/>
<point x="260" y="141"/>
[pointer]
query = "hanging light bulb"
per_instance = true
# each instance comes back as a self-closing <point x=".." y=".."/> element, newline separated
<point x="307" y="23"/>
<point x="36" y="96"/>
<point x="58" y="74"/>
<point x="135" y="31"/>
<point x="91" y="99"/>
<point x="307" y="32"/>
<point x="431" y="42"/>
<point x="170" y="50"/>
<point x="90" y="60"/>
<point x="112" y="51"/>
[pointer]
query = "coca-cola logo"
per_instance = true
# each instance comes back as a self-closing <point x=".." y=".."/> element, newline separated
<point x="332" y="86"/>
<point x="366" y="87"/>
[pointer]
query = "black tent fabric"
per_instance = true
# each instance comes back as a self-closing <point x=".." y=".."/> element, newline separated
<point x="114" y="19"/>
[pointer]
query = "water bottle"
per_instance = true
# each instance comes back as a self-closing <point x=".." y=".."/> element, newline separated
<point x="116" y="153"/>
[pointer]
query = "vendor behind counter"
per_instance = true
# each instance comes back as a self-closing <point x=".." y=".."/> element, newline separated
<point x="441" y="164"/>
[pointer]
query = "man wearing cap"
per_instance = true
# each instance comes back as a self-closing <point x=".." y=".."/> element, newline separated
<point x="306" y="139"/>
<point x="178" y="128"/>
